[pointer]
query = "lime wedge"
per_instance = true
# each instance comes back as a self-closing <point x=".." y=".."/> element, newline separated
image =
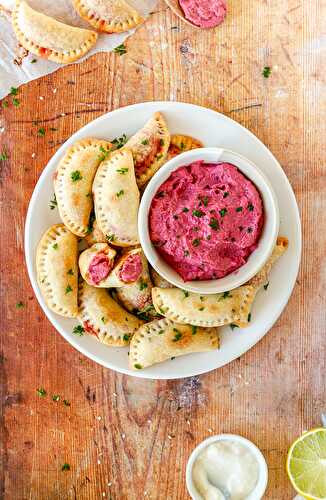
<point x="306" y="464"/>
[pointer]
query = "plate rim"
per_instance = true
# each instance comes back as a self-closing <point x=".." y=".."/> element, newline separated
<point x="29" y="257"/>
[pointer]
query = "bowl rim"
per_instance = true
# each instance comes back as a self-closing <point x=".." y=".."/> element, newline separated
<point x="232" y="280"/>
<point x="260" y="488"/>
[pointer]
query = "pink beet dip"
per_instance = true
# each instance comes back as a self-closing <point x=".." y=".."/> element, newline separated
<point x="99" y="268"/>
<point x="131" y="269"/>
<point x="204" y="13"/>
<point x="205" y="220"/>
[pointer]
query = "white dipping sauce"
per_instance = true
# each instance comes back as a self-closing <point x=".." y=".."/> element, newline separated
<point x="228" y="465"/>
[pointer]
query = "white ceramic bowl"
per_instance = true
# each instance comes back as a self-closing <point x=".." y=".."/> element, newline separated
<point x="267" y="240"/>
<point x="258" y="492"/>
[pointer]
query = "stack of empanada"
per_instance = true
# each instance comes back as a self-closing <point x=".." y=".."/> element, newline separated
<point x="46" y="37"/>
<point x="108" y="286"/>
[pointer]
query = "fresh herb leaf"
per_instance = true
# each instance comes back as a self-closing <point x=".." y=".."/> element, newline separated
<point x="201" y="308"/>
<point x="16" y="102"/>
<point x="214" y="224"/>
<point x="158" y="157"/>
<point x="186" y="293"/>
<point x="233" y="326"/>
<point x="53" y="129"/>
<point x="193" y="330"/>
<point x="142" y="285"/>
<point x="68" y="289"/>
<point x="104" y="155"/>
<point x="201" y="298"/>
<point x="249" y="317"/>
<point x="198" y="213"/>
<point x="176" y="217"/>
<point x="55" y="246"/>
<point x="126" y="337"/>
<point x="225" y="295"/>
<point x="70" y="272"/>
<point x="76" y="176"/>
<point x="66" y="402"/>
<point x="65" y="467"/>
<point x="186" y="253"/>
<point x="53" y="203"/>
<point x="78" y="330"/>
<point x="118" y="142"/>
<point x="185" y="209"/>
<point x="5" y="104"/>
<point x="182" y="145"/>
<point x="19" y="305"/>
<point x="266" y="71"/>
<point x="249" y="229"/>
<point x="123" y="170"/>
<point x="250" y="207"/>
<point x="41" y="132"/>
<point x="56" y="397"/>
<point x="223" y="211"/>
<point x="178" y="335"/>
<point x="4" y="156"/>
<point x="33" y="61"/>
<point x="138" y="366"/>
<point x="196" y="242"/>
<point x="226" y="194"/>
<point x="238" y="209"/>
<point x="120" y="49"/>
<point x="110" y="237"/>
<point x="160" y="332"/>
<point x="13" y="91"/>
<point x="145" y="142"/>
<point x="103" y="320"/>
<point x="120" y="193"/>
<point x="266" y="286"/>
<point x="204" y="200"/>
<point x="41" y="392"/>
<point x="162" y="142"/>
<point x="160" y="194"/>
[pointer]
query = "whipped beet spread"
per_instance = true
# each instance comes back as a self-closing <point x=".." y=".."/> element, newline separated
<point x="131" y="269"/>
<point x="99" y="268"/>
<point x="204" y="13"/>
<point x="205" y="220"/>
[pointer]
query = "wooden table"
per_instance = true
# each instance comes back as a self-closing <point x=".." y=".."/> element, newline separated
<point x="126" y="438"/>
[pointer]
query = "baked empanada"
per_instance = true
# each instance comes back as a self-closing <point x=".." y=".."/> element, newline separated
<point x="99" y="268"/>
<point x="162" y="339"/>
<point x="205" y="310"/>
<point x="73" y="182"/>
<point x="116" y="199"/>
<point x="46" y="37"/>
<point x="110" y="16"/>
<point x="137" y="296"/>
<point x="102" y="317"/>
<point x="181" y="143"/>
<point x="95" y="235"/>
<point x="158" y="280"/>
<point x="149" y="148"/>
<point x="57" y="270"/>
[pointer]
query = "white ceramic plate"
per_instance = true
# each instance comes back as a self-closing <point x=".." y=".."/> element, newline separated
<point x="213" y="129"/>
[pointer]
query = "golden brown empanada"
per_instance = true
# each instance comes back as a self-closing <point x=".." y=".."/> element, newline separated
<point x="102" y="317"/>
<point x="158" y="280"/>
<point x="205" y="310"/>
<point x="181" y="143"/>
<point x="73" y="182"/>
<point x="162" y="339"/>
<point x="98" y="267"/>
<point x="110" y="16"/>
<point x="261" y="277"/>
<point x="57" y="270"/>
<point x="116" y="199"/>
<point x="149" y="148"/>
<point x="46" y="37"/>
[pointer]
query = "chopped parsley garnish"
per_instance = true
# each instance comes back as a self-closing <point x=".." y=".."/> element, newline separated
<point x="41" y="132"/>
<point x="266" y="286"/>
<point x="225" y="295"/>
<point x="55" y="246"/>
<point x="160" y="194"/>
<point x="142" y="285"/>
<point x="91" y="223"/>
<point x="78" y="330"/>
<point x="53" y="203"/>
<point x="208" y="237"/>
<point x="238" y="209"/>
<point x="161" y="142"/>
<point x="201" y="298"/>
<point x="160" y="332"/>
<point x="233" y="326"/>
<point x="66" y="402"/>
<point x="118" y="142"/>
<point x="120" y="193"/>
<point x="103" y="320"/>
<point x="178" y="335"/>
<point x="138" y="366"/>
<point x="4" y="156"/>
<point x="16" y="102"/>
<point x="226" y="194"/>
<point x="110" y="237"/>
<point x="41" y="392"/>
<point x="13" y="91"/>
<point x="123" y="170"/>
<point x="214" y="224"/>
<point x="158" y="157"/>
<point x="249" y="230"/>
<point x="5" y="104"/>
<point x="204" y="200"/>
<point x="182" y="145"/>
<point x="33" y="61"/>
<point x="196" y="242"/>
<point x="76" y="176"/>
<point x="65" y="467"/>
<point x="266" y="71"/>
<point x="19" y="305"/>
<point x="120" y="49"/>
<point x="145" y="142"/>
<point x="185" y="209"/>
<point x="70" y="272"/>
<point x="162" y="311"/>
<point x="104" y="155"/>
<point x="198" y="213"/>
<point x="193" y="330"/>
<point x="56" y="397"/>
<point x="126" y="337"/>
<point x="186" y="253"/>
<point x="250" y="207"/>
<point x="249" y="317"/>
<point x="201" y="308"/>
<point x="186" y="293"/>
<point x="222" y="212"/>
<point x="68" y="289"/>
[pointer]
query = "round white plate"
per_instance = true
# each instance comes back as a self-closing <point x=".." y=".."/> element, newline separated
<point x="213" y="129"/>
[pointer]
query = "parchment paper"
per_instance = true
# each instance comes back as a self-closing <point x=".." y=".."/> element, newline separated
<point x="15" y="69"/>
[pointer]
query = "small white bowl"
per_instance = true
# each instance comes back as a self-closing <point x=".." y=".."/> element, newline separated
<point x="266" y="242"/>
<point x="258" y="492"/>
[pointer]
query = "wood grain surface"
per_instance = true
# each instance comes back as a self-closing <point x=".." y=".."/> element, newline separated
<point x="126" y="438"/>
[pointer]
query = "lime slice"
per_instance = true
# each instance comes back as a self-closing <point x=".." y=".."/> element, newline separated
<point x="306" y="464"/>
